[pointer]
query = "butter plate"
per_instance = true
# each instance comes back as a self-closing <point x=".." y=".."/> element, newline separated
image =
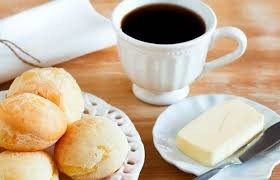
<point x="178" y="115"/>
<point x="132" y="166"/>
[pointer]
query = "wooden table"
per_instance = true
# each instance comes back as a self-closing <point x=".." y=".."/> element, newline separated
<point x="256" y="75"/>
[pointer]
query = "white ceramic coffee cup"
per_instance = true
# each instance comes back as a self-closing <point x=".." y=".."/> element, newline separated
<point x="161" y="73"/>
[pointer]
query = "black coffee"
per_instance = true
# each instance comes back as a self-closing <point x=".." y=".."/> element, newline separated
<point x="163" y="24"/>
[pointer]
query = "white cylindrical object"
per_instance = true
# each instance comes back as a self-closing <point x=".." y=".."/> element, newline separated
<point x="162" y="73"/>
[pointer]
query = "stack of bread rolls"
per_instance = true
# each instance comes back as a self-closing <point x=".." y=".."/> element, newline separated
<point x="44" y="106"/>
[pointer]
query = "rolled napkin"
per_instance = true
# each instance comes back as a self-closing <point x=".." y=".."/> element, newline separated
<point x="50" y="34"/>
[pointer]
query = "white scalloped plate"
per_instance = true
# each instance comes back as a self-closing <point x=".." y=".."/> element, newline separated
<point x="178" y="115"/>
<point x="131" y="168"/>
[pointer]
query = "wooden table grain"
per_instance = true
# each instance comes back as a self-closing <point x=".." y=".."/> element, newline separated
<point x="256" y="75"/>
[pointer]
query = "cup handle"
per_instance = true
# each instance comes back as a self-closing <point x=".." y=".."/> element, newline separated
<point x="228" y="32"/>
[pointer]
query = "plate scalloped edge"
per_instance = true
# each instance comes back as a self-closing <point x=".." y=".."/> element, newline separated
<point x="131" y="168"/>
<point x="259" y="168"/>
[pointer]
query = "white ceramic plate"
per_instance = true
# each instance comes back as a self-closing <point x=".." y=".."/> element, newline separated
<point x="178" y="115"/>
<point x="131" y="168"/>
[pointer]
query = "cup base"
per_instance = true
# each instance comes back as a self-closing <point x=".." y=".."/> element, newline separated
<point x="160" y="98"/>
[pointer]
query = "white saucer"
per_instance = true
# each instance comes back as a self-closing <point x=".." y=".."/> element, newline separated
<point x="132" y="167"/>
<point x="178" y="115"/>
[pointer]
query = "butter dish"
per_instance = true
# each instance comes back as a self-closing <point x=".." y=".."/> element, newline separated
<point x="219" y="132"/>
<point x="178" y="115"/>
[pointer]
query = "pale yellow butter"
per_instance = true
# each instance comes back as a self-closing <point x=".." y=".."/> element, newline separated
<point x="219" y="132"/>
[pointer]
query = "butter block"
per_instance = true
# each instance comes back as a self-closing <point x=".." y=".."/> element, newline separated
<point x="219" y="132"/>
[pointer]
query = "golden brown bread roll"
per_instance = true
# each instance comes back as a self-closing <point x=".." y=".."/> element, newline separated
<point x="54" y="84"/>
<point x="27" y="166"/>
<point x="91" y="148"/>
<point x="29" y="122"/>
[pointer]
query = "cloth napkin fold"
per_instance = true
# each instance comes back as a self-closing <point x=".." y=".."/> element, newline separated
<point x="52" y="33"/>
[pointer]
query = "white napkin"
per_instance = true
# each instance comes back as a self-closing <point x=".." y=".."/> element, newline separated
<point x="53" y="33"/>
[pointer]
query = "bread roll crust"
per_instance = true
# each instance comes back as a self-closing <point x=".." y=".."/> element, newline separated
<point x="54" y="84"/>
<point x="29" y="123"/>
<point x="92" y="148"/>
<point x="27" y="166"/>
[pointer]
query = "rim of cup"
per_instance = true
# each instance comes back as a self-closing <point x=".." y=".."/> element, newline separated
<point x="126" y="6"/>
